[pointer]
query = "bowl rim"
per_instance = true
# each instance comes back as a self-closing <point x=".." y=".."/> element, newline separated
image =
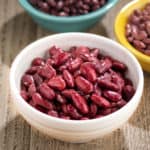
<point x="121" y="37"/>
<point x="27" y="6"/>
<point x="16" y="92"/>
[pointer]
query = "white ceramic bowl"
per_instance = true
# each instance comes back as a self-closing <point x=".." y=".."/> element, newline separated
<point x="69" y="130"/>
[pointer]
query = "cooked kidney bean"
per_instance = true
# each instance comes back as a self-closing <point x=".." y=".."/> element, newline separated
<point x="27" y="80"/>
<point x="88" y="71"/>
<point x="46" y="91"/>
<point x="47" y="71"/>
<point x="100" y="101"/>
<point x="68" y="78"/>
<point x="112" y="95"/>
<point x="61" y="99"/>
<point x="77" y="84"/>
<point x="72" y="111"/>
<point x="32" y="89"/>
<point x="138" y="29"/>
<point x="38" y="61"/>
<point x="53" y="113"/>
<point x="38" y="100"/>
<point x="67" y="7"/>
<point x="57" y="83"/>
<point x="84" y="85"/>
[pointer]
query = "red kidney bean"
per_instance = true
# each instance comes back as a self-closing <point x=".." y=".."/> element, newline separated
<point x="38" y="100"/>
<point x="103" y="66"/>
<point x="118" y="66"/>
<point x="147" y="52"/>
<point x="121" y="103"/>
<point x="88" y="71"/>
<point x="74" y="64"/>
<point x="53" y="113"/>
<point x="84" y="118"/>
<point x="43" y="6"/>
<point x="97" y="89"/>
<point x="130" y="39"/>
<point x="108" y="85"/>
<point x="114" y="109"/>
<point x="112" y="96"/>
<point x="33" y="2"/>
<point x="27" y="80"/>
<point x="24" y="95"/>
<point x="50" y="62"/>
<point x="61" y="99"/>
<point x="76" y="73"/>
<point x="106" y="111"/>
<point x="81" y="50"/>
<point x="32" y="70"/>
<point x="57" y="83"/>
<point x="118" y="80"/>
<point x="72" y="111"/>
<point x="139" y="44"/>
<point x="54" y="51"/>
<point x="113" y="104"/>
<point x="148" y="27"/>
<point x="95" y="52"/>
<point x="46" y="91"/>
<point x="128" y="30"/>
<point x="68" y="78"/>
<point x="32" y="89"/>
<point x="79" y="101"/>
<point x="40" y="108"/>
<point x="84" y="85"/>
<point x="147" y="41"/>
<point x="37" y="79"/>
<point x="100" y="101"/>
<point x="65" y="117"/>
<point x="38" y="62"/>
<point x="106" y="76"/>
<point x="93" y="110"/>
<point x="61" y="58"/>
<point x="128" y="81"/>
<point x="64" y="109"/>
<point x="128" y="92"/>
<point x="98" y="116"/>
<point x="68" y="93"/>
<point x="47" y="71"/>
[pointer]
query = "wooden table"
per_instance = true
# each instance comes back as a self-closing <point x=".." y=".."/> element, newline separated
<point x="18" y="30"/>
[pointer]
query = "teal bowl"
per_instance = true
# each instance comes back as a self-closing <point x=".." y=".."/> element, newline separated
<point x="66" y="24"/>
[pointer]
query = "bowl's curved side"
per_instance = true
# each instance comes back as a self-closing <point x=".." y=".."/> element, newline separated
<point x="65" y="41"/>
<point x="66" y="24"/>
<point x="119" y="28"/>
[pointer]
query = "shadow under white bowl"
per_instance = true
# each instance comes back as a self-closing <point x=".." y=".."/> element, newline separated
<point x="69" y="130"/>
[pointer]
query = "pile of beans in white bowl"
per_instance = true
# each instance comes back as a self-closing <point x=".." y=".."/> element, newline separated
<point x="138" y="29"/>
<point x="68" y="7"/>
<point x="78" y="84"/>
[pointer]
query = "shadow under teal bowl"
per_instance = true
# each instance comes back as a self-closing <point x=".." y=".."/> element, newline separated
<point x="66" y="24"/>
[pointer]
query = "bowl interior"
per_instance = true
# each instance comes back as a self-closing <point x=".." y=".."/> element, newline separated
<point x="120" y="24"/>
<point x="27" y="6"/>
<point x="65" y="41"/>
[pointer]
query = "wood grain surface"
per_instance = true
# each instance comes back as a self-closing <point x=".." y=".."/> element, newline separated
<point x="18" y="30"/>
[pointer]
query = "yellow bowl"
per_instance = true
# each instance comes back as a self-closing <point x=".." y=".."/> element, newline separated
<point x="119" y="28"/>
